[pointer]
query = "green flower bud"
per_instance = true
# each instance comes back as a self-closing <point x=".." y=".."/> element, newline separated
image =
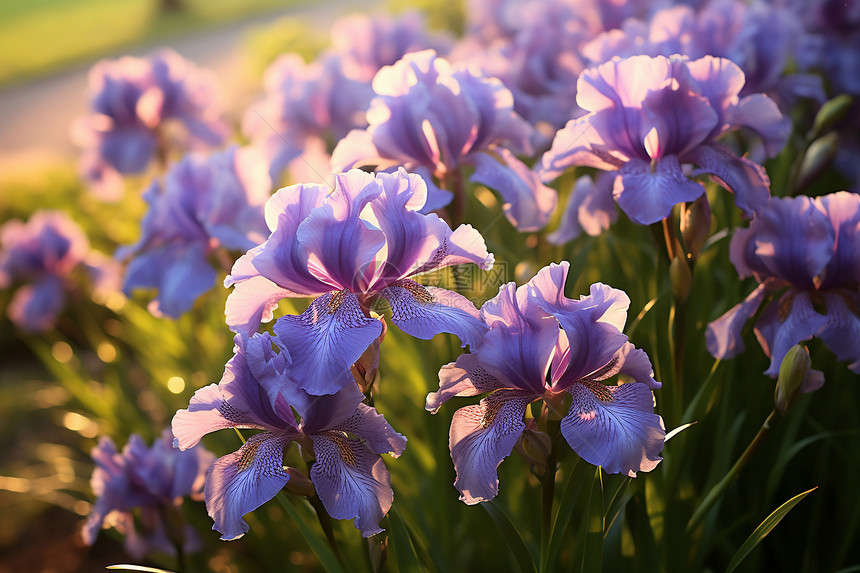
<point x="792" y="372"/>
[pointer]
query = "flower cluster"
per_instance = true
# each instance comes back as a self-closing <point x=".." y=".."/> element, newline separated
<point x="141" y="109"/>
<point x="542" y="345"/>
<point x="40" y="255"/>
<point x="205" y="203"/>
<point x="805" y="255"/>
<point x="146" y="486"/>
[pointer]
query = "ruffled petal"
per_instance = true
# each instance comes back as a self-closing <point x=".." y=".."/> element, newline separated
<point x="355" y="150"/>
<point x="580" y="142"/>
<point x="747" y="180"/>
<point x="252" y="302"/>
<point x="465" y="377"/>
<point x="325" y="340"/>
<point x="481" y="437"/>
<point x="528" y="202"/>
<point x="240" y="482"/>
<point x="614" y="427"/>
<point x="352" y="482"/>
<point x="590" y="209"/>
<point x="647" y="195"/>
<point x="723" y="336"/>
<point x="424" y="312"/>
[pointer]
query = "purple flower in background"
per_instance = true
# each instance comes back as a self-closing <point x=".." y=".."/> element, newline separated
<point x="40" y="255"/>
<point x="805" y="254"/>
<point x="833" y="41"/>
<point x="590" y="209"/>
<point x="432" y="118"/>
<point x="649" y="117"/>
<point x="142" y="108"/>
<point x="541" y="345"/>
<point x="259" y="391"/>
<point x="350" y="248"/>
<point x="204" y="203"/>
<point x="759" y="37"/>
<point x="152" y="480"/>
<point x="304" y="103"/>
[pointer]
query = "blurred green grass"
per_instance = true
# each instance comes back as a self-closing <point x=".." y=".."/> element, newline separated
<point x="40" y="36"/>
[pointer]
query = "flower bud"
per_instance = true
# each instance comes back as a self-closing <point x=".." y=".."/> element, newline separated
<point x="831" y="113"/>
<point x="792" y="373"/>
<point x="696" y="224"/>
<point x="299" y="484"/>
<point x="819" y="155"/>
<point x="535" y="447"/>
<point x="680" y="278"/>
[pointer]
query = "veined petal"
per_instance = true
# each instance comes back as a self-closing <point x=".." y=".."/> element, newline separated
<point x="424" y="312"/>
<point x="207" y="412"/>
<point x="461" y="246"/>
<point x="252" y="302"/>
<point x="580" y="142"/>
<point x="724" y="334"/>
<point x="785" y="323"/>
<point x="351" y="481"/>
<point x="325" y="340"/>
<point x="374" y="430"/>
<point x="647" y="196"/>
<point x="320" y="413"/>
<point x="528" y="202"/>
<point x="240" y="482"/>
<point x="747" y="180"/>
<point x="481" y="437"/>
<point x="614" y="427"/>
<point x="465" y="377"/>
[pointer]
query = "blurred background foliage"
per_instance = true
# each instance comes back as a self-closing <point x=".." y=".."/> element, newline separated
<point x="114" y="369"/>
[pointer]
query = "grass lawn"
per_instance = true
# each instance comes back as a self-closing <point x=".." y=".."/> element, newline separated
<point x="39" y="36"/>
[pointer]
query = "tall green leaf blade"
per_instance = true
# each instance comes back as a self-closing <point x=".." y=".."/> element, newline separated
<point x="404" y="550"/>
<point x="512" y="537"/>
<point x="319" y="546"/>
<point x="764" y="528"/>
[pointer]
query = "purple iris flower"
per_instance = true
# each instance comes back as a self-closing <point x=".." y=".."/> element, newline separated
<point x="205" y="203"/>
<point x="541" y="345"/>
<point x="759" y="37"/>
<point x="590" y="209"/>
<point x="259" y="391"/>
<point x="805" y="254"/>
<point x="433" y="118"/>
<point x="833" y="41"/>
<point x="40" y="255"/>
<point x="143" y="107"/>
<point x="152" y="481"/>
<point x="649" y="117"/>
<point x="303" y="104"/>
<point x="350" y="248"/>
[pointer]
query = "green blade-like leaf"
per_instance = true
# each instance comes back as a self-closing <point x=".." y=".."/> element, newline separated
<point x="594" y="525"/>
<point x="318" y="545"/>
<point x="143" y="568"/>
<point x="563" y="516"/>
<point x="404" y="551"/>
<point x="512" y="537"/>
<point x="764" y="528"/>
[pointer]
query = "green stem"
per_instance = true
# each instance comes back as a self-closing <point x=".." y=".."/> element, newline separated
<point x="325" y="523"/>
<point x="718" y="490"/>
<point x="553" y="429"/>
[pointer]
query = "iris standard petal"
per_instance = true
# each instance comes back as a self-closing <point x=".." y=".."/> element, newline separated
<point x="325" y="340"/>
<point x="351" y="481"/>
<point x="481" y="437"/>
<point x="424" y="312"/>
<point x="614" y="427"/>
<point x="240" y="482"/>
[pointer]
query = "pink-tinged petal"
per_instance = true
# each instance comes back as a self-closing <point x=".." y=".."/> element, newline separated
<point x="150" y="107"/>
<point x="373" y="429"/>
<point x="355" y="150"/>
<point x="720" y="80"/>
<point x="647" y="194"/>
<point x="283" y="259"/>
<point x="325" y="340"/>
<point x="528" y="202"/>
<point x="843" y="210"/>
<point x="747" y="180"/>
<point x="634" y="362"/>
<point x="614" y="427"/>
<point x="208" y="412"/>
<point x="253" y="302"/>
<point x="481" y="437"/>
<point x="462" y="246"/>
<point x="240" y="482"/>
<point x="37" y="306"/>
<point x="424" y="312"/>
<point x="787" y="322"/>
<point x="341" y="246"/>
<point x="581" y="142"/>
<point x="761" y="114"/>
<point x="723" y="336"/>
<point x="590" y="209"/>
<point x="465" y="377"/>
<point x="842" y="331"/>
<point x="352" y="482"/>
